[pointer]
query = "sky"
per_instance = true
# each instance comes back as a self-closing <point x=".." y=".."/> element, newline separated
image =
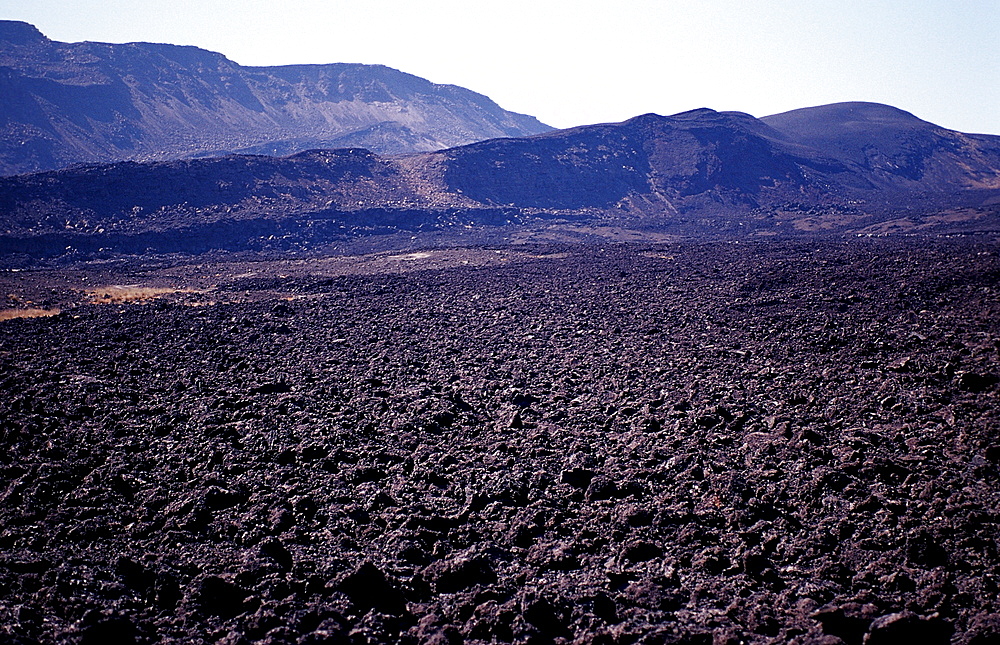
<point x="575" y="62"/>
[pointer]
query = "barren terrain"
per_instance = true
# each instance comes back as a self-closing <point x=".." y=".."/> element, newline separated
<point x="760" y="442"/>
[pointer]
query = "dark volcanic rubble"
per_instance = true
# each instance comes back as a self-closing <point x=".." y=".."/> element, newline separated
<point x="788" y="442"/>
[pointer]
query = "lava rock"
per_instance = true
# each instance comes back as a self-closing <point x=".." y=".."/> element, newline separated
<point x="369" y="588"/>
<point x="577" y="477"/>
<point x="640" y="551"/>
<point x="275" y="550"/>
<point x="907" y="627"/>
<point x="460" y="572"/>
<point x="848" y="622"/>
<point x="98" y="629"/>
<point x="217" y="596"/>
<point x="973" y="382"/>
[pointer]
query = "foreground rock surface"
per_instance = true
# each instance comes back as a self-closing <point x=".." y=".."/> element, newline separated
<point x="765" y="443"/>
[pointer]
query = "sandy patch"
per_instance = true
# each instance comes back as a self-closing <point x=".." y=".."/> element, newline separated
<point x="130" y="293"/>
<point x="10" y="314"/>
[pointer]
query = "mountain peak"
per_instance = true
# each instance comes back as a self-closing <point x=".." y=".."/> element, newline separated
<point x="645" y="118"/>
<point x="696" y="113"/>
<point x="854" y="113"/>
<point x="20" y="33"/>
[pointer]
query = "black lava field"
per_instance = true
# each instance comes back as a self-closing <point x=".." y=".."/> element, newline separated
<point x="722" y="443"/>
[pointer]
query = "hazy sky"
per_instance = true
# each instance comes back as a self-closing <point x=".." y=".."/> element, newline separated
<point x="586" y="61"/>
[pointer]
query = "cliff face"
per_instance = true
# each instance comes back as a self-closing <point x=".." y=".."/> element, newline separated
<point x="66" y="103"/>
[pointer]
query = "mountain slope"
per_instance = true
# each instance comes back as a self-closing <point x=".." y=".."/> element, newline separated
<point x="706" y="161"/>
<point x="696" y="173"/>
<point x="65" y="103"/>
<point x="894" y="146"/>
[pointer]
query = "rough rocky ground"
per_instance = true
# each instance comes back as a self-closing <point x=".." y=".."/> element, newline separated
<point x="781" y="442"/>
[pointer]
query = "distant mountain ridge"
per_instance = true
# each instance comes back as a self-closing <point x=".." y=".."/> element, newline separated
<point x="866" y="156"/>
<point x="67" y="103"/>
<point x="857" y="168"/>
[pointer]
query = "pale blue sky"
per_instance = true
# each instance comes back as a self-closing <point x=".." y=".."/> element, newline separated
<point x="571" y="62"/>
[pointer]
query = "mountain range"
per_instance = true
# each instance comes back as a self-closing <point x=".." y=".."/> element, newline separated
<point x="66" y="103"/>
<point x="847" y="168"/>
<point x="852" y="167"/>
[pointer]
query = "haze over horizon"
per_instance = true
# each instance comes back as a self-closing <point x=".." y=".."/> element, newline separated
<point x="589" y="62"/>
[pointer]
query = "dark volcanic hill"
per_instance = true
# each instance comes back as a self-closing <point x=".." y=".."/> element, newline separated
<point x="698" y="160"/>
<point x="894" y="146"/>
<point x="859" y="168"/>
<point x="65" y="103"/>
